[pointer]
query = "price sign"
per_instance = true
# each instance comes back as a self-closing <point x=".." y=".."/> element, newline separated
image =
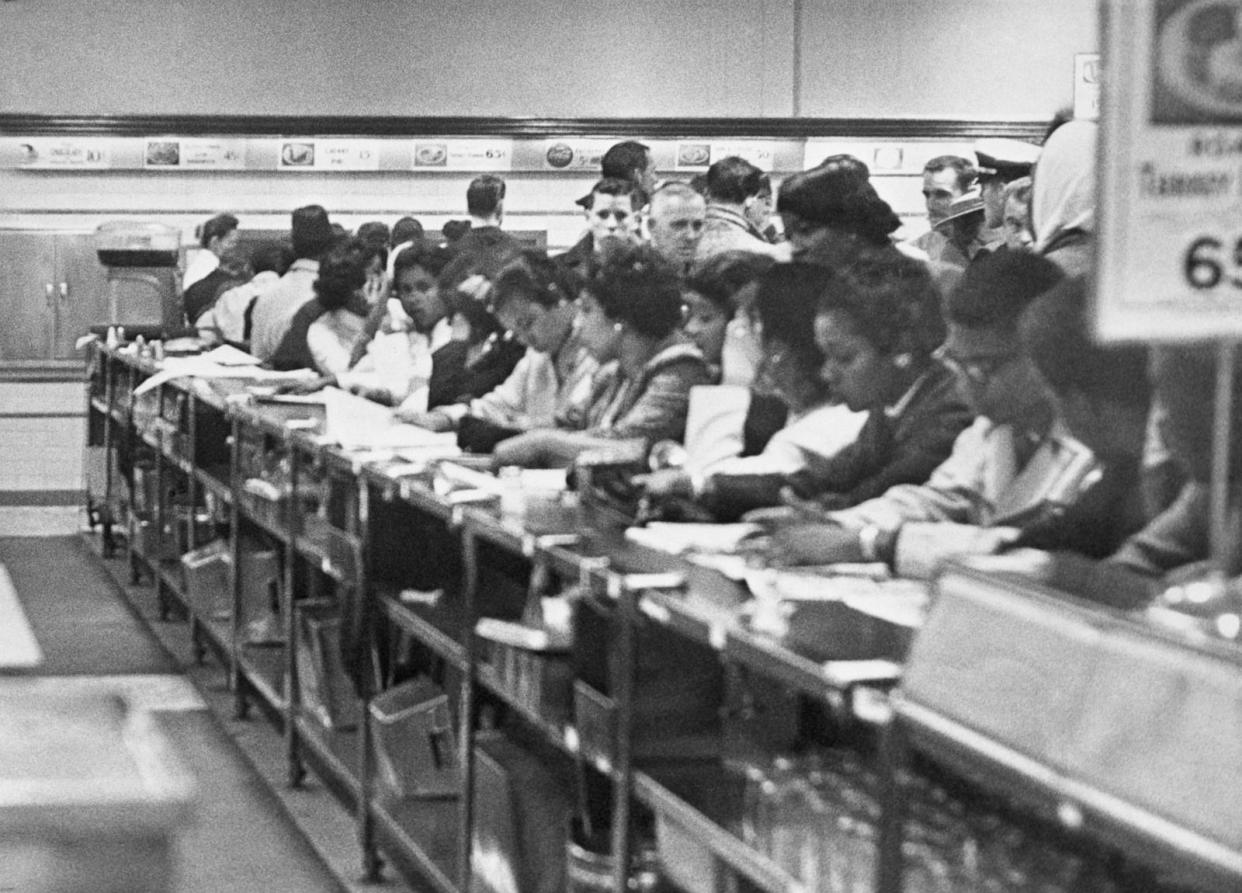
<point x="72" y="154"/>
<point x="194" y="154"/>
<point x="701" y="154"/>
<point x="1170" y="211"/>
<point x="463" y="155"/>
<point x="328" y="155"/>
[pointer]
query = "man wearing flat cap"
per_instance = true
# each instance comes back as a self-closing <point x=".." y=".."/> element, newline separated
<point x="965" y="233"/>
<point x="1001" y="161"/>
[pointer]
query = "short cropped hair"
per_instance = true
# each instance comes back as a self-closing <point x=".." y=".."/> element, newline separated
<point x="963" y="167"/>
<point x="431" y="258"/>
<point x="1055" y="334"/>
<point x="342" y="271"/>
<point x="635" y="285"/>
<point x="218" y="226"/>
<point x="721" y="276"/>
<point x="674" y="189"/>
<point x="484" y="194"/>
<point x="619" y="186"/>
<point x="891" y="300"/>
<point x="276" y="257"/>
<point x="997" y="287"/>
<point x="535" y="277"/>
<point x="407" y="229"/>
<point x="624" y="160"/>
<point x="374" y="232"/>
<point x="733" y="180"/>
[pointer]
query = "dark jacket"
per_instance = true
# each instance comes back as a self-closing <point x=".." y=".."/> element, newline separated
<point x="890" y="449"/>
<point x="293" y="352"/>
<point x="199" y="297"/>
<point x="580" y="258"/>
<point x="453" y="381"/>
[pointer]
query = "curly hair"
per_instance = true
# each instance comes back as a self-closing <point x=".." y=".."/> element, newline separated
<point x="891" y="300"/>
<point x="721" y="276"/>
<point x="535" y="277"/>
<point x="635" y="285"/>
<point x="431" y="258"/>
<point x="342" y="272"/>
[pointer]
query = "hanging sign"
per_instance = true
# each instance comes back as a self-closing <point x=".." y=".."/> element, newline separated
<point x="463" y="155"/>
<point x="194" y="154"/>
<point x="328" y="155"/>
<point x="65" y="154"/>
<point x="1170" y="211"/>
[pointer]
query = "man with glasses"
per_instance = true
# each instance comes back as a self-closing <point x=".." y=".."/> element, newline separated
<point x="1013" y="467"/>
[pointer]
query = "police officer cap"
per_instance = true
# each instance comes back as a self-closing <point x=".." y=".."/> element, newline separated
<point x="1005" y="158"/>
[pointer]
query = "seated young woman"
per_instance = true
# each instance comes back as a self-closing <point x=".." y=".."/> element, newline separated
<point x="396" y="367"/>
<point x="878" y="325"/>
<point x="480" y="356"/>
<point x="629" y="318"/>
<point x="818" y="425"/>
<point x="730" y="419"/>
<point x="341" y="291"/>
<point x="535" y="298"/>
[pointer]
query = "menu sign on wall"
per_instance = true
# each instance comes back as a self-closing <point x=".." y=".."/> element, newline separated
<point x="65" y="154"/>
<point x="1170" y="227"/>
<point x="194" y="154"/>
<point x="575" y="154"/>
<point x="699" y="154"/>
<point x="328" y="155"/>
<point x="463" y="155"/>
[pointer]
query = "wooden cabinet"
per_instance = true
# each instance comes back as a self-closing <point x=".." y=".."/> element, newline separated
<point x="52" y="288"/>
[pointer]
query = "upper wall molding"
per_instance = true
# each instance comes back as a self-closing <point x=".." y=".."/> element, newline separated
<point x="668" y="128"/>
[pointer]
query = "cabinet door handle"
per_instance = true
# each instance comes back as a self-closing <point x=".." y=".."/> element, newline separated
<point x="64" y="291"/>
<point x="50" y="290"/>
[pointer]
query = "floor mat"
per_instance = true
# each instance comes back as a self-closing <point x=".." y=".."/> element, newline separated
<point x="81" y="619"/>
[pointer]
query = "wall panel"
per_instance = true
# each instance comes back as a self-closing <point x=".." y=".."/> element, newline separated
<point x="402" y="57"/>
<point x="976" y="59"/>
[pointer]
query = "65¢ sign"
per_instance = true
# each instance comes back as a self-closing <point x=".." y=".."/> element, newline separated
<point x="1170" y="211"/>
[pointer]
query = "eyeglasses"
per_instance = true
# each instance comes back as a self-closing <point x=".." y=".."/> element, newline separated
<point x="977" y="370"/>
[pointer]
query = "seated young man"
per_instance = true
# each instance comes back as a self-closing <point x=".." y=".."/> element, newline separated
<point x="629" y="319"/>
<point x="1103" y="396"/>
<point x="1013" y="468"/>
<point x="535" y="298"/>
